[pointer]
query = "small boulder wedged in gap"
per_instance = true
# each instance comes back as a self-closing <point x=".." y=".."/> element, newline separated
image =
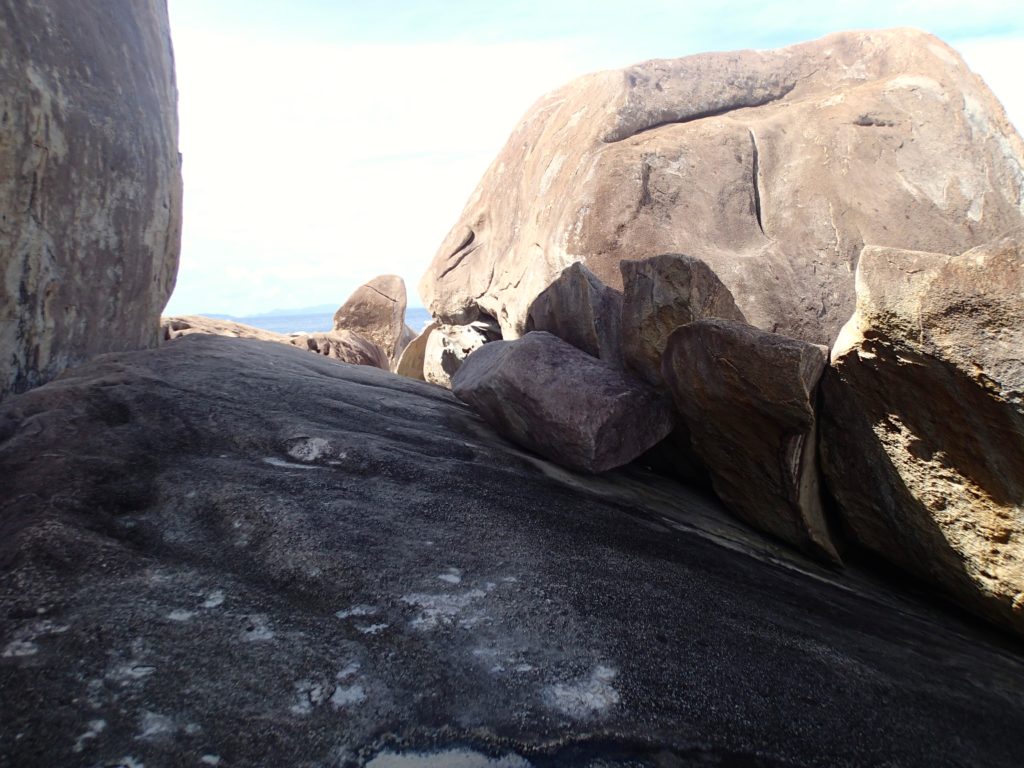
<point x="410" y="363"/>
<point x="376" y="311"/>
<point x="346" y="346"/>
<point x="552" y="398"/>
<point x="659" y="295"/>
<point x="922" y="425"/>
<point x="578" y="308"/>
<point x="747" y="397"/>
<point x="448" y="346"/>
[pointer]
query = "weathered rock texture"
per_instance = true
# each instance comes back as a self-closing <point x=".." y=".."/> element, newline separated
<point x="774" y="167"/>
<point x="659" y="295"/>
<point x="447" y="347"/>
<point x="90" y="182"/>
<point x="186" y="325"/>
<point x="232" y="549"/>
<point x="747" y="398"/>
<point x="580" y="309"/>
<point x="923" y="420"/>
<point x="548" y="396"/>
<point x="410" y="364"/>
<point x="376" y="311"/>
<point x="346" y="346"/>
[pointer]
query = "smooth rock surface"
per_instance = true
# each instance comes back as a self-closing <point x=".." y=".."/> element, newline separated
<point x="186" y="325"/>
<point x="774" y="167"/>
<point x="580" y="309"/>
<point x="747" y="398"/>
<point x="550" y="397"/>
<point x="90" y="182"/>
<point x="659" y="295"/>
<point x="923" y="420"/>
<point x="411" y="363"/>
<point x="448" y="346"/>
<point x="346" y="346"/>
<point x="376" y="311"/>
<point x="232" y="549"/>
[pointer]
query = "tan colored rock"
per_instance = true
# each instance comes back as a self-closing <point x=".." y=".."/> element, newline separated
<point x="376" y="311"/>
<point x="346" y="346"/>
<point x="90" y="183"/>
<point x="410" y="364"/>
<point x="548" y="396"/>
<point x="580" y="309"/>
<point x="659" y="295"/>
<point x="773" y="167"/>
<point x="747" y="398"/>
<point x="186" y="325"/>
<point x="448" y="346"/>
<point x="923" y="420"/>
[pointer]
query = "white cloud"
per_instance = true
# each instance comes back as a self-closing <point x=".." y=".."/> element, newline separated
<point x="311" y="168"/>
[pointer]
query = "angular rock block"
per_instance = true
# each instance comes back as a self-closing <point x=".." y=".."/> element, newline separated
<point x="580" y="309"/>
<point x="748" y="399"/>
<point x="659" y="295"/>
<point x="552" y="398"/>
<point x="923" y="420"/>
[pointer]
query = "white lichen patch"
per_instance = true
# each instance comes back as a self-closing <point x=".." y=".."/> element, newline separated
<point x="20" y="648"/>
<point x="347" y="696"/>
<point x="155" y="726"/>
<point x="96" y="727"/>
<point x="275" y="462"/>
<point x="372" y="629"/>
<point x="452" y="576"/>
<point x="349" y="670"/>
<point x="436" y="610"/>
<point x="310" y="449"/>
<point x="214" y="599"/>
<point x="213" y="760"/>
<point x="180" y="615"/>
<point x="357" y="610"/>
<point x="452" y="758"/>
<point x="126" y="762"/>
<point x="586" y="697"/>
<point x="130" y="671"/>
<point x="309" y="695"/>
<point x="257" y="630"/>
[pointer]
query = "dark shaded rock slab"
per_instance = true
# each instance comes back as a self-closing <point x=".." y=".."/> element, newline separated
<point x="552" y="398"/>
<point x="923" y="420"/>
<point x="748" y="399"/>
<point x="90" y="182"/>
<point x="236" y="549"/>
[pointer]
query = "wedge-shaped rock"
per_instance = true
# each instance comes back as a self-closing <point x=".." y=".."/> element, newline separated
<point x="410" y="364"/>
<point x="548" y="396"/>
<point x="580" y="309"/>
<point x="748" y="399"/>
<point x="923" y="420"/>
<point x="659" y="295"/>
<point x="376" y="311"/>
<point x="774" y="167"/>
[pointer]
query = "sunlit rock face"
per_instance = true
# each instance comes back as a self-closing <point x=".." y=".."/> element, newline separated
<point x="773" y="167"/>
<point x="923" y="428"/>
<point x="90" y="182"/>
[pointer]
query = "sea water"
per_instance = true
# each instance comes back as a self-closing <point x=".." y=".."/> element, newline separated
<point x="416" y="318"/>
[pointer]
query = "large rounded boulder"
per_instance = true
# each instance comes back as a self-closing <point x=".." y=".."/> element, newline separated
<point x="90" y="182"/>
<point x="773" y="167"/>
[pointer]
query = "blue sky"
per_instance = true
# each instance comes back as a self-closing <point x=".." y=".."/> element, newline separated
<point x="325" y="142"/>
